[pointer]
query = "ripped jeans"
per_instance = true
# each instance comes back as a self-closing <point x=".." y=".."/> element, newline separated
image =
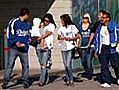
<point x="44" y="56"/>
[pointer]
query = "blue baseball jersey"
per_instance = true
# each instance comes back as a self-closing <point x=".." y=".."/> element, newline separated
<point x="18" y="31"/>
<point x="85" y="34"/>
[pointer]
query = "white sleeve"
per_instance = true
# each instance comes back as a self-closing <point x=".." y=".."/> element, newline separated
<point x="74" y="29"/>
<point x="51" y="28"/>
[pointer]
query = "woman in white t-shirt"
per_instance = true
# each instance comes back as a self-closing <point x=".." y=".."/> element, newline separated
<point x="67" y="34"/>
<point x="44" y="47"/>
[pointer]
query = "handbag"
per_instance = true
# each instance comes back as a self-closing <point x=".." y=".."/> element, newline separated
<point x="34" y="41"/>
<point x="76" y="52"/>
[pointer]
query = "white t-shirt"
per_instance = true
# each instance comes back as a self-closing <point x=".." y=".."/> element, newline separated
<point x="49" y="39"/>
<point x="70" y="31"/>
<point x="105" y="35"/>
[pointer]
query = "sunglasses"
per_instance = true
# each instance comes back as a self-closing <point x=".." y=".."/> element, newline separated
<point x="85" y="18"/>
<point x="104" y="17"/>
<point x="46" y="20"/>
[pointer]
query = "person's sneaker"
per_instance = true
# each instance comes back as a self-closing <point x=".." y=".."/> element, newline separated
<point x="26" y="85"/>
<point x="105" y="85"/>
<point x="84" y="78"/>
<point x="118" y="81"/>
<point x="67" y="83"/>
<point x="40" y="84"/>
<point x="71" y="83"/>
<point x="4" y="86"/>
<point x="108" y="85"/>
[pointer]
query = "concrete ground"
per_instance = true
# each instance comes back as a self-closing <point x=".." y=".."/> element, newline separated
<point x="56" y="82"/>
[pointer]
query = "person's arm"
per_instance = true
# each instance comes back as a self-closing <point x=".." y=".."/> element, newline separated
<point x="12" y="36"/>
<point x="90" y="39"/>
<point x="79" y="41"/>
<point x="77" y="36"/>
<point x="93" y="31"/>
<point x="48" y="33"/>
<point x="61" y="37"/>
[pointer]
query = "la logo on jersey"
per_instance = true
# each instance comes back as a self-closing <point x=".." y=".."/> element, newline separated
<point x="20" y="32"/>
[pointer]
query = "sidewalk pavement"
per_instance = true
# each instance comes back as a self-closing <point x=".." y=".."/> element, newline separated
<point x="56" y="82"/>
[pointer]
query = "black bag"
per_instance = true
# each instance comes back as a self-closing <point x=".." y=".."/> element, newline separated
<point x="34" y="41"/>
<point x="76" y="52"/>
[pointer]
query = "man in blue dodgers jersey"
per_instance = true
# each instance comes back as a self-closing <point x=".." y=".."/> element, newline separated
<point x="106" y="38"/>
<point x="18" y="35"/>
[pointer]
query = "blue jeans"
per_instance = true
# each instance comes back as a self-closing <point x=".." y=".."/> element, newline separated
<point x="13" y="53"/>
<point x="104" y="58"/>
<point x="67" y="60"/>
<point x="86" y="58"/>
<point x="44" y="56"/>
<point x="114" y="60"/>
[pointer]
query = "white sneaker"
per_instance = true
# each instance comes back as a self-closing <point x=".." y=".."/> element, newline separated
<point x="118" y="81"/>
<point x="105" y="85"/>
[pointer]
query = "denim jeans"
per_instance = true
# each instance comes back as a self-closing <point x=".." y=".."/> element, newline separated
<point x="67" y="60"/>
<point x="43" y="56"/>
<point x="114" y="60"/>
<point x="104" y="58"/>
<point x="13" y="53"/>
<point x="86" y="58"/>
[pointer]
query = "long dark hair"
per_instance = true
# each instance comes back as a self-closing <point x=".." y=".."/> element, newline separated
<point x="67" y="20"/>
<point x="50" y="17"/>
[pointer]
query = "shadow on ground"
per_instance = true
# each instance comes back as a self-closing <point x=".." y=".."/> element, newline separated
<point x="17" y="83"/>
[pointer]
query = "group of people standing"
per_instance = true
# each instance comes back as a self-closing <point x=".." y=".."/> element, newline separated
<point x="99" y="39"/>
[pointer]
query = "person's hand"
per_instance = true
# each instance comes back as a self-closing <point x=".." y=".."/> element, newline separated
<point x="95" y="54"/>
<point x="77" y="45"/>
<point x="22" y="44"/>
<point x="18" y="44"/>
<point x="30" y="40"/>
<point x="88" y="45"/>
<point x="62" y="38"/>
<point x="39" y="38"/>
<point x="68" y="39"/>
